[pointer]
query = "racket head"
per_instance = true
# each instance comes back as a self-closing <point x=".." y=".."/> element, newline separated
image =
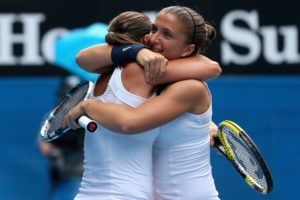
<point x="241" y="151"/>
<point x="52" y="127"/>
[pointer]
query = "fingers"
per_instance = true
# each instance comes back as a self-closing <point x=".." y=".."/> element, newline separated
<point x="147" y="72"/>
<point x="163" y="67"/>
<point x="213" y="133"/>
<point x="154" y="64"/>
<point x="153" y="70"/>
<point x="213" y="143"/>
<point x="157" y="68"/>
<point x="71" y="118"/>
<point x="70" y="122"/>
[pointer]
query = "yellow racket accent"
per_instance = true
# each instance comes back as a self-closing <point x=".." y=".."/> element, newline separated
<point x="246" y="157"/>
<point x="226" y="145"/>
<point x="254" y="184"/>
<point x="233" y="126"/>
<point x="249" y="180"/>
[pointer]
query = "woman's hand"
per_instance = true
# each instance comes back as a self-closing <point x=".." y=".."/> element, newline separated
<point x="213" y="131"/>
<point x="71" y="119"/>
<point x="154" y="64"/>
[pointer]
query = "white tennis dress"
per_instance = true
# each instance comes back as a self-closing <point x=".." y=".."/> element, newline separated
<point x="116" y="166"/>
<point x="182" y="168"/>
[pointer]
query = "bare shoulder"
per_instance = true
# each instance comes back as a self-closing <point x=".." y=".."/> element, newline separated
<point x="133" y="68"/>
<point x="192" y="93"/>
<point x="189" y="85"/>
<point x="187" y="90"/>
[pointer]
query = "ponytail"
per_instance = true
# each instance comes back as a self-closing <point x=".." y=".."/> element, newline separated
<point x="210" y="36"/>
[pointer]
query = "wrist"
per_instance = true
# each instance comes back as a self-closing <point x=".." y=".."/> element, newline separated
<point x="125" y="53"/>
<point x="140" y="56"/>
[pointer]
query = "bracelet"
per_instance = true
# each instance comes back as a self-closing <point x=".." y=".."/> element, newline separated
<point x="125" y="53"/>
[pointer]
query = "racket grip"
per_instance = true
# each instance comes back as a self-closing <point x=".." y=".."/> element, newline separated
<point x="88" y="124"/>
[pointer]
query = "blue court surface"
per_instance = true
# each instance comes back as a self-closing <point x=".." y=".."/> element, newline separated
<point x="267" y="107"/>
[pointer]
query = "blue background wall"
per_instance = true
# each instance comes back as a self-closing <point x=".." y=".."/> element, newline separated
<point x="23" y="171"/>
<point x="267" y="107"/>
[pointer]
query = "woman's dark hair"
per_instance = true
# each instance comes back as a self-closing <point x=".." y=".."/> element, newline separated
<point x="127" y="28"/>
<point x="197" y="30"/>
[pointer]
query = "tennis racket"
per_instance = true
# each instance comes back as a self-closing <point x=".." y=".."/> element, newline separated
<point x="52" y="127"/>
<point x="240" y="150"/>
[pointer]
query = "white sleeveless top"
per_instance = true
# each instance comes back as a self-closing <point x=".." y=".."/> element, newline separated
<point x="117" y="166"/>
<point x="182" y="168"/>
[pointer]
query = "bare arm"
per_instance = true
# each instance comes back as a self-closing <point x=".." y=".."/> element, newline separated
<point x="181" y="97"/>
<point x="196" y="67"/>
<point x="95" y="58"/>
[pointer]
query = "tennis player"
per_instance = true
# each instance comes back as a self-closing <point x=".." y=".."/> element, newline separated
<point x="190" y="101"/>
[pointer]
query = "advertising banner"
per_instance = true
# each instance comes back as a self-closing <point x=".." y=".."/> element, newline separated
<point x="253" y="37"/>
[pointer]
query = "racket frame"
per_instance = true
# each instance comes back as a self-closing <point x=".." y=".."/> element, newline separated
<point x="224" y="147"/>
<point x="89" y="125"/>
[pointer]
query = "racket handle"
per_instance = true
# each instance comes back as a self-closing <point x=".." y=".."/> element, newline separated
<point x="88" y="124"/>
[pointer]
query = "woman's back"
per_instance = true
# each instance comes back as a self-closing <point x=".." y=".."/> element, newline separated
<point x="133" y="80"/>
<point x="114" y="162"/>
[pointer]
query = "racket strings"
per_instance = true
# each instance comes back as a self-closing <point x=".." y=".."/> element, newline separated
<point x="72" y="100"/>
<point x="245" y="158"/>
